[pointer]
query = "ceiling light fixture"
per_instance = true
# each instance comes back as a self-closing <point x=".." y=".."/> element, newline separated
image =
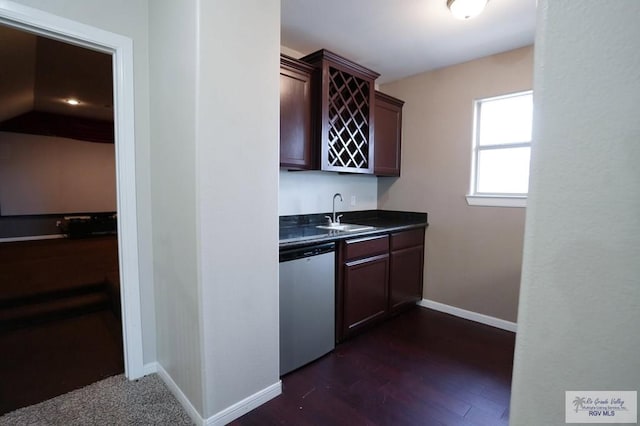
<point x="73" y="102"/>
<point x="466" y="9"/>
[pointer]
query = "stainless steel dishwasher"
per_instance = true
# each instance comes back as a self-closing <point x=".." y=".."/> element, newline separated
<point x="307" y="304"/>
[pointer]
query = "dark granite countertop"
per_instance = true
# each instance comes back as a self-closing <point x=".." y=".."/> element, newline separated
<point x="300" y="230"/>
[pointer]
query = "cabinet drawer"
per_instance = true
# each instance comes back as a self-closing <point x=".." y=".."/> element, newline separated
<point x="405" y="239"/>
<point x="364" y="247"/>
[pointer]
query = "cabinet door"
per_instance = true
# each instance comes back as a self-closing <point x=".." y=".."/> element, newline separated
<point x="388" y="134"/>
<point x="365" y="292"/>
<point x="405" y="277"/>
<point x="297" y="150"/>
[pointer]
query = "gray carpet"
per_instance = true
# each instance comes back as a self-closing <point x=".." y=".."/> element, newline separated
<point x="113" y="401"/>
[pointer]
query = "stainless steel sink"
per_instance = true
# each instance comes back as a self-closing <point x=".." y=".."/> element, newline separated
<point x="346" y="227"/>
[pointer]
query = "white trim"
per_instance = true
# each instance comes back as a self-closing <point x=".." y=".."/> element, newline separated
<point x="31" y="238"/>
<point x="180" y="396"/>
<point x="241" y="408"/>
<point x="127" y="206"/>
<point x="506" y="96"/>
<point x="470" y="315"/>
<point x="495" y="201"/>
<point x="225" y="416"/>
<point x="46" y="24"/>
<point x="150" y="368"/>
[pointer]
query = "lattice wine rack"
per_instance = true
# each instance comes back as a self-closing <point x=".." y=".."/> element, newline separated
<point x="346" y="115"/>
<point x="348" y="144"/>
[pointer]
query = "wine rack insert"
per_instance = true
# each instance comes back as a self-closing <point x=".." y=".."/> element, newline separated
<point x="349" y="106"/>
<point x="345" y="118"/>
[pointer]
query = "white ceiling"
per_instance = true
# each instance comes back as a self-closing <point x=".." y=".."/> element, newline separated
<point x="399" y="38"/>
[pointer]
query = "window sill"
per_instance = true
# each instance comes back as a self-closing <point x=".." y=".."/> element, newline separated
<point x="496" y="201"/>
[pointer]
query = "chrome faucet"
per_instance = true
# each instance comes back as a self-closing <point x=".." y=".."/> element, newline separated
<point x="333" y="220"/>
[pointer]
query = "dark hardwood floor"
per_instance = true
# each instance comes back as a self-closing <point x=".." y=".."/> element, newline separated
<point x="421" y="368"/>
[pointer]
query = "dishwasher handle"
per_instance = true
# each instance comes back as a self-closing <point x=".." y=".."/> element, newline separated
<point x="306" y="251"/>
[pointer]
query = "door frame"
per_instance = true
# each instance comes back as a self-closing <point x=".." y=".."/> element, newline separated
<point x="121" y="49"/>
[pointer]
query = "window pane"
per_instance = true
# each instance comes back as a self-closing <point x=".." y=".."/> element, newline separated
<point x="503" y="171"/>
<point x="506" y="120"/>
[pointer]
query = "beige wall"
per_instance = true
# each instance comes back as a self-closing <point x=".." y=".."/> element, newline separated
<point x="237" y="185"/>
<point x="48" y="175"/>
<point x="214" y="164"/>
<point x="473" y="254"/>
<point x="580" y="300"/>
<point x="172" y="59"/>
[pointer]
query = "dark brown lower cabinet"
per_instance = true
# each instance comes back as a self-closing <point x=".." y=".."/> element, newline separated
<point x="362" y="292"/>
<point x="406" y="272"/>
<point x="377" y="276"/>
<point x="365" y="291"/>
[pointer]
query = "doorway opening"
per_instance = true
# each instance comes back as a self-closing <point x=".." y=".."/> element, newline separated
<point x="60" y="323"/>
<point x="114" y="298"/>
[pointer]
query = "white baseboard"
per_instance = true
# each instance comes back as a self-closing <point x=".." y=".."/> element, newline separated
<point x="223" y="417"/>
<point x="149" y="368"/>
<point x="180" y="396"/>
<point x="238" y="409"/>
<point x="470" y="315"/>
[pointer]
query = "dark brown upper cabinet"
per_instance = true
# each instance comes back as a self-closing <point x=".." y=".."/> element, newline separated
<point x="297" y="148"/>
<point x="344" y="92"/>
<point x="388" y="135"/>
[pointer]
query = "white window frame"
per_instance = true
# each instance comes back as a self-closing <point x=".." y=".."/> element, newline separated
<point x="475" y="198"/>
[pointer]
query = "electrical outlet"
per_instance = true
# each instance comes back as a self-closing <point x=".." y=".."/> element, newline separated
<point x="353" y="200"/>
